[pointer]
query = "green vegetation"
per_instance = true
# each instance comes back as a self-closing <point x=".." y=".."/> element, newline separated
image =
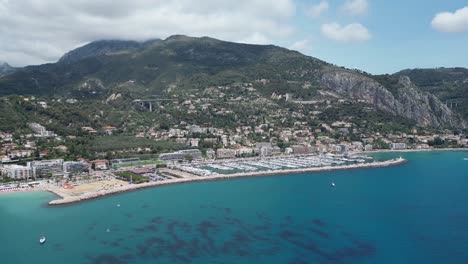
<point x="130" y="176"/>
<point x="227" y="85"/>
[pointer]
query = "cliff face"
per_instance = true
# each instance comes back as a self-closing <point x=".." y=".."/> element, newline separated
<point x="409" y="101"/>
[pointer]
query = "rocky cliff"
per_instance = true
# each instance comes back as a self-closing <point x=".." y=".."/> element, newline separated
<point x="407" y="100"/>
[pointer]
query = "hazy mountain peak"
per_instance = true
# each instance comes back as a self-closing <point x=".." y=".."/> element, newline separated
<point x="5" y="68"/>
<point x="97" y="48"/>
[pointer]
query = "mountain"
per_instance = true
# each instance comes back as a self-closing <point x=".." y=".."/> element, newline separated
<point x="450" y="85"/>
<point x="102" y="47"/>
<point x="5" y="68"/>
<point x="246" y="79"/>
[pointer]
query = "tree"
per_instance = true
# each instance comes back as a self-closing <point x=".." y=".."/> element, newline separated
<point x="189" y="158"/>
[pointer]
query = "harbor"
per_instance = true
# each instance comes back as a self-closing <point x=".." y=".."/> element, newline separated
<point x="263" y="164"/>
<point x="181" y="175"/>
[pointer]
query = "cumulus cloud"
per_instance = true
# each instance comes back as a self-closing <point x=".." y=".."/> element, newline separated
<point x="354" y="32"/>
<point x="302" y="46"/>
<point x="34" y="31"/>
<point x="318" y="9"/>
<point x="355" y="7"/>
<point x="451" y="22"/>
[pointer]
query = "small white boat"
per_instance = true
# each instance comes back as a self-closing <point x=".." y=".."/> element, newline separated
<point x="333" y="184"/>
<point x="118" y="205"/>
<point x="107" y="230"/>
<point x="465" y="159"/>
<point x="42" y="240"/>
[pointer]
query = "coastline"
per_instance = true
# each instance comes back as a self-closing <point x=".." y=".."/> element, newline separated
<point x="67" y="199"/>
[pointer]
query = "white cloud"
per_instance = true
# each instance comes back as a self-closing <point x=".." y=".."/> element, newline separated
<point x="302" y="46"/>
<point x="354" y="32"/>
<point x="318" y="9"/>
<point x="451" y="22"/>
<point x="34" y="31"/>
<point x="256" y="38"/>
<point x="355" y="7"/>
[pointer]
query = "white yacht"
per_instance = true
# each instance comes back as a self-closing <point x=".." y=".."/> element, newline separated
<point x="333" y="184"/>
<point x="42" y="240"/>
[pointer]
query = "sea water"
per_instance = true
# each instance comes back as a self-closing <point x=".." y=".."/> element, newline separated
<point x="416" y="212"/>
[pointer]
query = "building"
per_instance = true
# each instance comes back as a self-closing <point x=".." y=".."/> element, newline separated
<point x="276" y="150"/>
<point x="125" y="161"/>
<point x="41" y="131"/>
<point x="17" y="154"/>
<point x="109" y="129"/>
<point x="210" y="153"/>
<point x="223" y="153"/>
<point x="90" y="130"/>
<point x="300" y="149"/>
<point x="16" y="172"/>
<point x="181" y="154"/>
<point x="342" y="148"/>
<point x="4" y="158"/>
<point x="244" y="151"/>
<point x="264" y="149"/>
<point x="71" y="167"/>
<point x="44" y="168"/>
<point x="368" y="147"/>
<point x="100" y="164"/>
<point x="193" y="142"/>
<point x="397" y="145"/>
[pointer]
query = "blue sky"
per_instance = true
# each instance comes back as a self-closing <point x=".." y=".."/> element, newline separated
<point x="377" y="36"/>
<point x="401" y="36"/>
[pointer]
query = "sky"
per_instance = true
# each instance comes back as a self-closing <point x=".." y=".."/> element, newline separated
<point x="377" y="36"/>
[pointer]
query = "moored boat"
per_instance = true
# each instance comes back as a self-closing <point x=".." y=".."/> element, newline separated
<point x="42" y="240"/>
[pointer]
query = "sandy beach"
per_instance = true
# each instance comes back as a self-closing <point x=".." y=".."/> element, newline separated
<point x="67" y="198"/>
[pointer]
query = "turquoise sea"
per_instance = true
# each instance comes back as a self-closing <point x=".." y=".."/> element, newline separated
<point x="412" y="213"/>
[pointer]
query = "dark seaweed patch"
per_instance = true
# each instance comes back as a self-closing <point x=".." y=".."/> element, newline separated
<point x="319" y="222"/>
<point x="106" y="259"/>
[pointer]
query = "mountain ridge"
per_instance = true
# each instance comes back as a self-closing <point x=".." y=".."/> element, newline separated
<point x="180" y="64"/>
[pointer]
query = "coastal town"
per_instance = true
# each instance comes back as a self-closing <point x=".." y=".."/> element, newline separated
<point x="25" y="166"/>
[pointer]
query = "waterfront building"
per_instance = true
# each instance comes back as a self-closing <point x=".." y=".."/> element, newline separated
<point x="244" y="151"/>
<point x="100" y="164"/>
<point x="181" y="154"/>
<point x="368" y="147"/>
<point x="16" y="172"/>
<point x="300" y="149"/>
<point x="43" y="168"/>
<point x="70" y="167"/>
<point x="223" y="153"/>
<point x="210" y="153"/>
<point x="264" y="149"/>
<point x="125" y="161"/>
<point x="397" y="146"/>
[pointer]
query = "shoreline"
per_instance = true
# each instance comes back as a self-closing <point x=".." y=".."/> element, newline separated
<point x="67" y="199"/>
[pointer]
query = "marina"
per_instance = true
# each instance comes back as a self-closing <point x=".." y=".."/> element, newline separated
<point x="271" y="164"/>
<point x="186" y="174"/>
